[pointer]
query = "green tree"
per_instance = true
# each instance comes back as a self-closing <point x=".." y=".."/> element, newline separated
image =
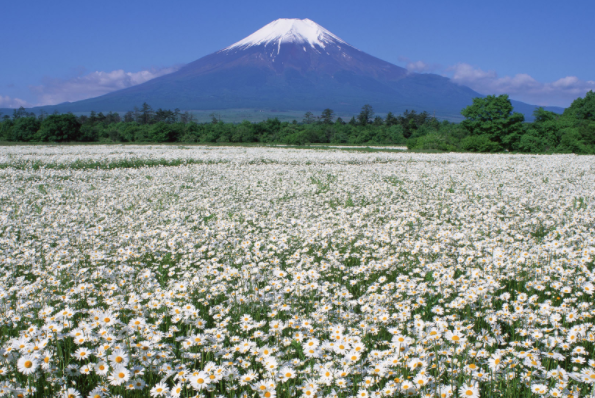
<point x="59" y="128"/>
<point x="542" y="116"/>
<point x="582" y="108"/>
<point x="301" y="138"/>
<point x="327" y="116"/>
<point x="366" y="115"/>
<point x="544" y="134"/>
<point x="93" y="117"/>
<point x="6" y="128"/>
<point x="25" y="128"/>
<point x="42" y="115"/>
<point x="572" y="141"/>
<point x="409" y="123"/>
<point x="146" y="114"/>
<point x="186" y="117"/>
<point x="215" y="118"/>
<point x="129" y="117"/>
<point x="160" y="132"/>
<point x="101" y="118"/>
<point x="308" y="117"/>
<point x="391" y="120"/>
<point x="21" y="112"/>
<point x="243" y="132"/>
<point x="89" y="132"/>
<point x="493" y="117"/>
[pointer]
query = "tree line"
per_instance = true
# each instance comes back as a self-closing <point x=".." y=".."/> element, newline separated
<point x="490" y="125"/>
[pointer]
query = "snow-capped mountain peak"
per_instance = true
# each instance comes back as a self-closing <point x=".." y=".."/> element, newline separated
<point x="285" y="30"/>
<point x="291" y="64"/>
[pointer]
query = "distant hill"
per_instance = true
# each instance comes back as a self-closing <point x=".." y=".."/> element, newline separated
<point x="292" y="65"/>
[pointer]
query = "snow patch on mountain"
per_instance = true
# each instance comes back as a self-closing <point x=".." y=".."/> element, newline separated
<point x="286" y="30"/>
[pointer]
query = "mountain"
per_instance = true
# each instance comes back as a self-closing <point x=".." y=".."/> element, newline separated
<point x="291" y="64"/>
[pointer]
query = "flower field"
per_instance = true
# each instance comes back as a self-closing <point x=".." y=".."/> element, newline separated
<point x="139" y="271"/>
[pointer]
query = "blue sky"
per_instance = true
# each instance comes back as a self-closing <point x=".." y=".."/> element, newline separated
<point x="541" y="52"/>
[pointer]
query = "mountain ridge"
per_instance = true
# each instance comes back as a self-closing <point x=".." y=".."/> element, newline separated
<point x="292" y="64"/>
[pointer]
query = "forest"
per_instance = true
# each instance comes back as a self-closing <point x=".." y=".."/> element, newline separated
<point x="490" y="125"/>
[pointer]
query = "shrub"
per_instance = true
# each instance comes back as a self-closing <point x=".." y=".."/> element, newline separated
<point x="571" y="142"/>
<point x="430" y="142"/>
<point x="480" y="143"/>
<point x="531" y="144"/>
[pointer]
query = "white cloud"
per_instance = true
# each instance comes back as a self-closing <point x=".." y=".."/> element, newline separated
<point x="55" y="91"/>
<point x="521" y="87"/>
<point x="8" y="102"/>
<point x="419" y="66"/>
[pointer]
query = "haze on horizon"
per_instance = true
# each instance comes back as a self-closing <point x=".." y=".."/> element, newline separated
<point x="68" y="51"/>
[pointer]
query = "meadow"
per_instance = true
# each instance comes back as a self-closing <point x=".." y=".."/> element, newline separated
<point x="163" y="271"/>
